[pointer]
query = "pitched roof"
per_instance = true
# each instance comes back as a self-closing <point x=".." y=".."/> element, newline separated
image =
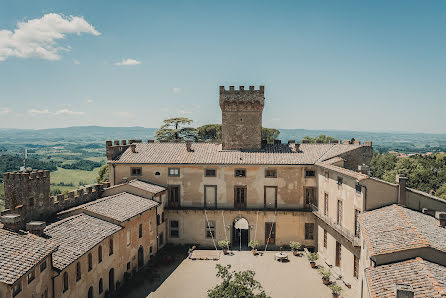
<point x="76" y="235"/>
<point x="150" y="187"/>
<point x="357" y="175"/>
<point x="120" y="207"/>
<point x="395" y="228"/>
<point x="212" y="153"/>
<point x="427" y="279"/>
<point x="20" y="252"/>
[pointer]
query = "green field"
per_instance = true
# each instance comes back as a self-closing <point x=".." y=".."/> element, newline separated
<point x="75" y="177"/>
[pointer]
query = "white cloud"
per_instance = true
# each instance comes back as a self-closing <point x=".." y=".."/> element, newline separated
<point x="37" y="38"/>
<point x="68" y="112"/>
<point x="128" y="62"/>
<point x="183" y="112"/>
<point x="35" y="112"/>
<point x="89" y="100"/>
<point x="4" y="111"/>
<point x="76" y="61"/>
<point x="176" y="90"/>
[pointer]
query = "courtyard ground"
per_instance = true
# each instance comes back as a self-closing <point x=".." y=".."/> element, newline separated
<point x="188" y="278"/>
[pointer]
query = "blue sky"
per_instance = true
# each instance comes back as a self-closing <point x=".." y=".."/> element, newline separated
<point x="356" y="65"/>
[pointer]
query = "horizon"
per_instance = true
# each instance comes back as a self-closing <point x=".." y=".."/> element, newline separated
<point x="365" y="67"/>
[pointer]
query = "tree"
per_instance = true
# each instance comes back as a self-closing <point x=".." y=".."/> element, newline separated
<point x="174" y="129"/>
<point x="270" y="134"/>
<point x="236" y="284"/>
<point x="103" y="174"/>
<point x="209" y="132"/>
<point x="320" y="139"/>
<point x="441" y="192"/>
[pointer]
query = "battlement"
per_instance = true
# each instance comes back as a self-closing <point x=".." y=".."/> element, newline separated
<point x="114" y="148"/>
<point x="26" y="175"/>
<point x="241" y="96"/>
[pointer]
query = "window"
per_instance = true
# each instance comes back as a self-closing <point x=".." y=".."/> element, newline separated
<point x="240" y="173"/>
<point x="338" y="254"/>
<point x="325" y="238"/>
<point x="140" y="231"/>
<point x="150" y="249"/>
<point x="161" y="239"/>
<point x="99" y="254"/>
<point x="310" y="173"/>
<point x="339" y="219"/>
<point x="240" y="197"/>
<point x="43" y="266"/>
<point x="78" y="271"/>
<point x="309" y="197"/>
<point x="31" y="202"/>
<point x="357" y="228"/>
<point x="162" y="216"/>
<point x="309" y="231"/>
<point x="355" y="266"/>
<point x="129" y="237"/>
<point x="150" y="225"/>
<point x="31" y="276"/>
<point x="210" y="230"/>
<point x="128" y="266"/>
<point x="110" y="247"/>
<point x="157" y="173"/>
<point x="158" y="221"/>
<point x="174" y="172"/>
<point x="173" y="196"/>
<point x="340" y="180"/>
<point x="270" y="173"/>
<point x="174" y="229"/>
<point x="17" y="288"/>
<point x="101" y="286"/>
<point x="135" y="171"/>
<point x="210" y="172"/>
<point x="358" y="187"/>
<point x="65" y="281"/>
<point x="326" y="204"/>
<point x="90" y="262"/>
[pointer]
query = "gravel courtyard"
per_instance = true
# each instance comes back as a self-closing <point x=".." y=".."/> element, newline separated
<point x="193" y="278"/>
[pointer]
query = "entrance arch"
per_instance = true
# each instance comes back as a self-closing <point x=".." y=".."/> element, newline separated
<point x="240" y="233"/>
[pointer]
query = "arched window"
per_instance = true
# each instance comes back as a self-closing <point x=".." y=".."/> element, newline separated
<point x="78" y="271"/>
<point x="65" y="281"/>
<point x="140" y="230"/>
<point x="90" y="292"/>
<point x="99" y="254"/>
<point x="101" y="286"/>
<point x="90" y="262"/>
<point x="110" y="247"/>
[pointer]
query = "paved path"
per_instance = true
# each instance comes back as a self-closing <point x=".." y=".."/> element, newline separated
<point x="280" y="280"/>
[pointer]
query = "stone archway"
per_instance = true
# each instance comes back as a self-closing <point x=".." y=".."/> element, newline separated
<point x="240" y="233"/>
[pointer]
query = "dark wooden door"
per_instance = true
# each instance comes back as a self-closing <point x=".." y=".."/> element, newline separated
<point x="140" y="257"/>
<point x="174" y="196"/>
<point x="270" y="227"/>
<point x="240" y="197"/>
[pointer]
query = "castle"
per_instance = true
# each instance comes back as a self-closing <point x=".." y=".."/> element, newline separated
<point x="194" y="192"/>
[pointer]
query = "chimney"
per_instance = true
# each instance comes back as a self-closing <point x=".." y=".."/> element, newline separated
<point x="401" y="180"/>
<point x="264" y="143"/>
<point x="297" y="147"/>
<point x="404" y="291"/>
<point x="364" y="169"/>
<point x="346" y="142"/>
<point x="133" y="148"/>
<point x="291" y="142"/>
<point x="442" y="219"/>
<point x="189" y="146"/>
<point x="150" y="141"/>
<point x="277" y="142"/>
<point x="11" y="221"/>
<point x="36" y="227"/>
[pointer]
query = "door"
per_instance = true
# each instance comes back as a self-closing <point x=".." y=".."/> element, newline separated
<point x="210" y="196"/>
<point x="240" y="197"/>
<point x="270" y="197"/>
<point x="174" y="196"/>
<point x="140" y="257"/>
<point x="111" y="280"/>
<point x="309" y="197"/>
<point x="270" y="233"/>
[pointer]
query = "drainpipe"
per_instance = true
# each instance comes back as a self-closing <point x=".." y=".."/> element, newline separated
<point x="156" y="224"/>
<point x="364" y="207"/>
<point x="114" y="175"/>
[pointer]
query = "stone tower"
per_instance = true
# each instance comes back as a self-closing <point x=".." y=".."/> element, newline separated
<point x="241" y="118"/>
<point x="30" y="189"/>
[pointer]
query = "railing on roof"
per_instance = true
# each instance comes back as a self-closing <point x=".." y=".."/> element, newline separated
<point x="354" y="239"/>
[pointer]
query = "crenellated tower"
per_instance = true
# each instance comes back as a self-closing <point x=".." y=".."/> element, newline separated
<point x="242" y="118"/>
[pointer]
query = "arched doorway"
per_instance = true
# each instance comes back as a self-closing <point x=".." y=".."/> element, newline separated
<point x="90" y="292"/>
<point x="140" y="257"/>
<point x="111" y="280"/>
<point x="240" y="233"/>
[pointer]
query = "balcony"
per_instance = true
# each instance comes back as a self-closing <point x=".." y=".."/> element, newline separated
<point x="338" y="228"/>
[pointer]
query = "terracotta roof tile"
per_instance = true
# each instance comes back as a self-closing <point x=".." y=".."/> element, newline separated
<point x="150" y="187"/>
<point x="212" y="153"/>
<point x="20" y="252"/>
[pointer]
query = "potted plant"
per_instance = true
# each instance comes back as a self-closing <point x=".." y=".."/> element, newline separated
<point x="335" y="290"/>
<point x="253" y="244"/>
<point x="224" y="244"/>
<point x="312" y="257"/>
<point x="325" y="273"/>
<point x="295" y="247"/>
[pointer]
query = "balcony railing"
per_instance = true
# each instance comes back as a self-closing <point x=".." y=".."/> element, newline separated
<point x="338" y="228"/>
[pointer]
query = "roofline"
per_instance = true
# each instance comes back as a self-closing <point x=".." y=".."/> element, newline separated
<point x="205" y="164"/>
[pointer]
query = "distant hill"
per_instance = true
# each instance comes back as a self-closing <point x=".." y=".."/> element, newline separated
<point x="405" y="142"/>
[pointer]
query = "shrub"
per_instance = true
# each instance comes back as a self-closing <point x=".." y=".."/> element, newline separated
<point x="224" y="244"/>
<point x="295" y="245"/>
<point x="312" y="256"/>
<point x="253" y="244"/>
<point x="335" y="289"/>
<point x="325" y="273"/>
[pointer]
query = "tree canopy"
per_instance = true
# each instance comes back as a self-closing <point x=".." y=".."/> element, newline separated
<point x="320" y="139"/>
<point x="103" y="174"/>
<point x="209" y="132"/>
<point x="176" y="129"/>
<point x="270" y="134"/>
<point x="236" y="284"/>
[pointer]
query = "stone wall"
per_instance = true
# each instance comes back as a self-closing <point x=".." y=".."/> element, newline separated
<point x="241" y="117"/>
